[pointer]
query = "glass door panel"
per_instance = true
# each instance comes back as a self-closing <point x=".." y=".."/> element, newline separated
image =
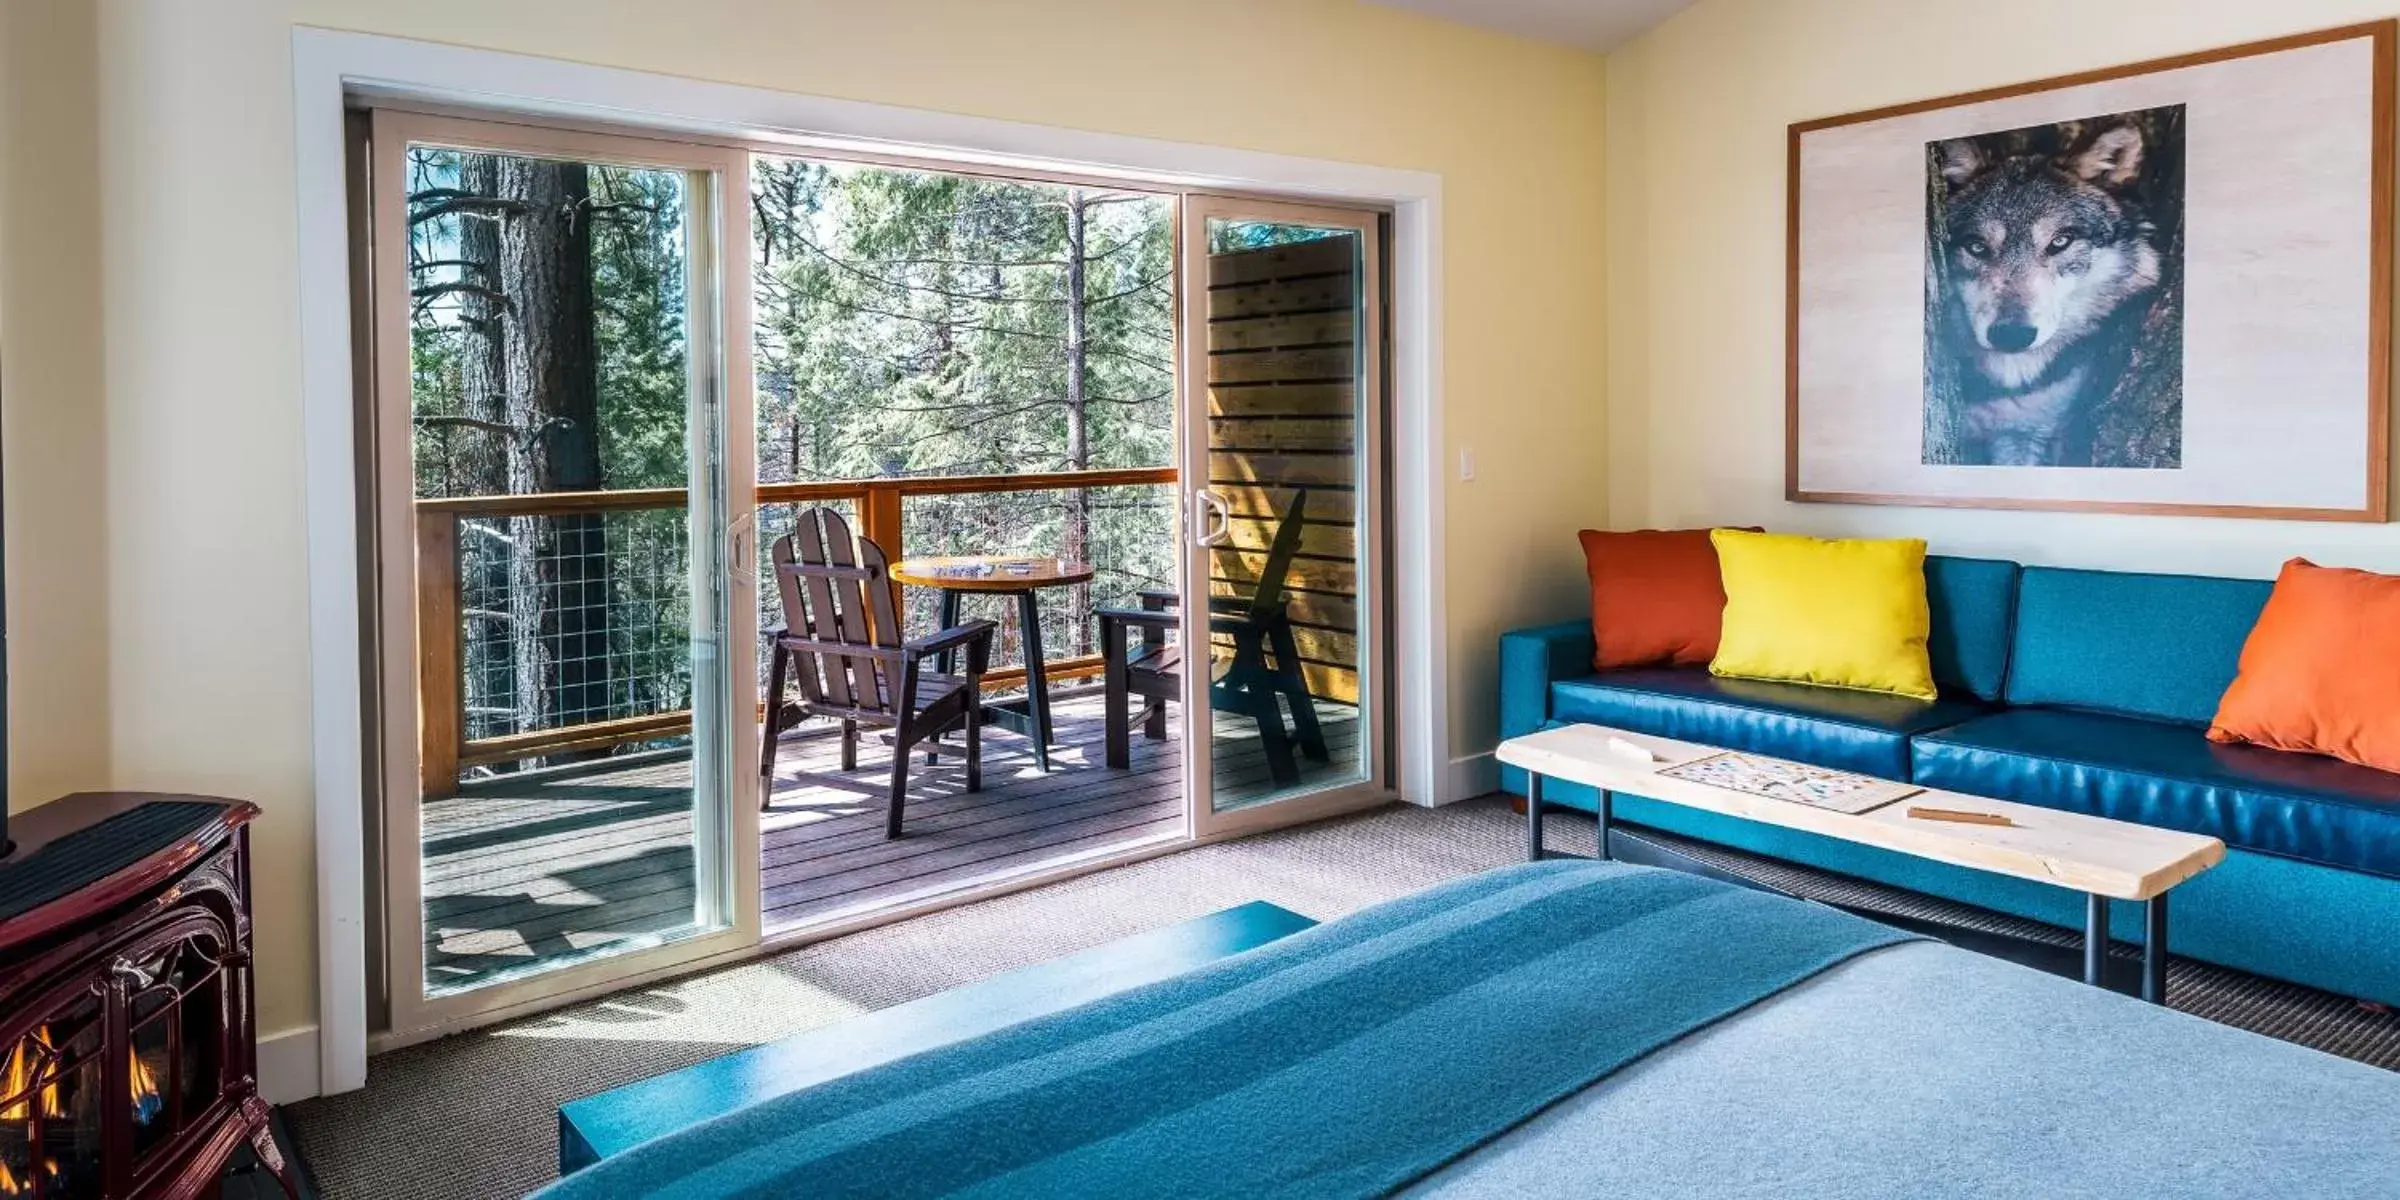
<point x="1283" y="365"/>
<point x="555" y="453"/>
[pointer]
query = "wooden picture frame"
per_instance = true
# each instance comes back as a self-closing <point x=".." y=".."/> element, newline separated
<point x="2031" y="465"/>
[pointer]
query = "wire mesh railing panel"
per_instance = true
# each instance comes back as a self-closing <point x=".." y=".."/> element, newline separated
<point x="573" y="619"/>
<point x="579" y="619"/>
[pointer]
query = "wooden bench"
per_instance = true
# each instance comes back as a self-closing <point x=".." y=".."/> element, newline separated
<point x="595" y="1127"/>
<point x="2102" y="858"/>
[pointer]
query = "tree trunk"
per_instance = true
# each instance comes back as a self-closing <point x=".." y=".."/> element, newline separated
<point x="1079" y="437"/>
<point x="481" y="468"/>
<point x="558" y="573"/>
<point x="482" y="370"/>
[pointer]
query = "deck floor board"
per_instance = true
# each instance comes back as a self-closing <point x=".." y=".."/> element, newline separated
<point x="521" y="870"/>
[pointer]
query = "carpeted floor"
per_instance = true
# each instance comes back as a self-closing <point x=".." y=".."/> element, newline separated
<point x="473" y="1116"/>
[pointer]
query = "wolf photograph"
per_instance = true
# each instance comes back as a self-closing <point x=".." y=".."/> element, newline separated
<point x="2053" y="306"/>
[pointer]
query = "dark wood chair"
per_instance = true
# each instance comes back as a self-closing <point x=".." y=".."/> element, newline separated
<point x="1265" y="663"/>
<point x="840" y="642"/>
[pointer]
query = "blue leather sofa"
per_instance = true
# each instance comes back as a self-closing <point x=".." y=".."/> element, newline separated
<point x="2079" y="690"/>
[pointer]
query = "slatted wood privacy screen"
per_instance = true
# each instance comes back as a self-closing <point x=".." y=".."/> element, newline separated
<point x="1283" y="415"/>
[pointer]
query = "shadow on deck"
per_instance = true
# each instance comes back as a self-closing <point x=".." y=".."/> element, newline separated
<point x="522" y="872"/>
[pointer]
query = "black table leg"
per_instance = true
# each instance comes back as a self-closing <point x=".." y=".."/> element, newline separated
<point x="1605" y="819"/>
<point x="1533" y="817"/>
<point x="2095" y="940"/>
<point x="1037" y="678"/>
<point x="948" y="620"/>
<point x="2154" y="949"/>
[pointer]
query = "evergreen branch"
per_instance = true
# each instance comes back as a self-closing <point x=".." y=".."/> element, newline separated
<point x="1006" y="264"/>
<point x="963" y="426"/>
<point x="502" y="428"/>
<point x="433" y="291"/>
<point x="1003" y="330"/>
<point x="1128" y="401"/>
<point x="871" y="277"/>
<point x="1135" y="290"/>
<point x="488" y="207"/>
<point x="980" y="297"/>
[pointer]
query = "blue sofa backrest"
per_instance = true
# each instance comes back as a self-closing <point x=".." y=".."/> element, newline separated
<point x="1974" y="601"/>
<point x="2158" y="646"/>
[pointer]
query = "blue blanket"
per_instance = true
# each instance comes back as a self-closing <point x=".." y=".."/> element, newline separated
<point x="1347" y="1060"/>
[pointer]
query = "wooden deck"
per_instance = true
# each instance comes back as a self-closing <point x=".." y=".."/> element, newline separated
<point x="524" y="871"/>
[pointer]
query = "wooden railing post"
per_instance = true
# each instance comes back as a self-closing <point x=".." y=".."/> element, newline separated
<point x="879" y="521"/>
<point x="879" y="517"/>
<point x="441" y="698"/>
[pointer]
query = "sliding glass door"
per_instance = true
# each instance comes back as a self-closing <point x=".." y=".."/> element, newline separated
<point x="1284" y="554"/>
<point x="563" y="477"/>
<point x="1170" y="404"/>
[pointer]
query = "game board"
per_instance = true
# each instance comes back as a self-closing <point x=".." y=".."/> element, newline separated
<point x="1799" y="783"/>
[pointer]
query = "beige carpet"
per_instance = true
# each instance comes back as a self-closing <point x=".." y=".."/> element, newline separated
<point x="474" y="1116"/>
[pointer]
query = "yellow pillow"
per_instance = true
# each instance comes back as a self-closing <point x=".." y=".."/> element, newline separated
<point x="1849" y="613"/>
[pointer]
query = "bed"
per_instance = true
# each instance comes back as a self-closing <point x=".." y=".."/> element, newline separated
<point x="1569" y="1029"/>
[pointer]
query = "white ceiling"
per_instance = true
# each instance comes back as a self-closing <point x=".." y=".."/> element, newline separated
<point x="1589" y="24"/>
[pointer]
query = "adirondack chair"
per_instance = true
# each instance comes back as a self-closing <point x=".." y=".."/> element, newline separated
<point x="840" y="642"/>
<point x="1250" y="682"/>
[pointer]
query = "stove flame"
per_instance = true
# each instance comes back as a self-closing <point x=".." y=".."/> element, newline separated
<point x="146" y="1099"/>
<point x="24" y="1066"/>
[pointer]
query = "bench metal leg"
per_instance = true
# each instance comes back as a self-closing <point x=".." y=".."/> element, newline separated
<point x="1606" y="818"/>
<point x="1533" y="817"/>
<point x="2154" y="949"/>
<point x="2095" y="940"/>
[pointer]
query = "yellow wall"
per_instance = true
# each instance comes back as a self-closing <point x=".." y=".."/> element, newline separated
<point x="176" y="625"/>
<point x="1695" y="153"/>
<point x="49" y="337"/>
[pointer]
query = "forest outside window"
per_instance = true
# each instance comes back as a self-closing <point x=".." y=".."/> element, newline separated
<point x="913" y="324"/>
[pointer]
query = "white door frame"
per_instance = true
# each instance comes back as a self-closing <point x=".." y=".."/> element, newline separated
<point x="1373" y="786"/>
<point x="329" y="65"/>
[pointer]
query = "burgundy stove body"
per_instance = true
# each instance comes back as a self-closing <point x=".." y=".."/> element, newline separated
<point x="128" y="1052"/>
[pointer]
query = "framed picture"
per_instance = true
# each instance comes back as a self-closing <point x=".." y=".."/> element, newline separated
<point x="2159" y="288"/>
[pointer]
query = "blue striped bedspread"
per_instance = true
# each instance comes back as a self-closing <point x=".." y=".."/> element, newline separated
<point x="1345" y="1061"/>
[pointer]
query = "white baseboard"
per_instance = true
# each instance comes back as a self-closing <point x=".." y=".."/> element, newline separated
<point x="1471" y="776"/>
<point x="287" y="1065"/>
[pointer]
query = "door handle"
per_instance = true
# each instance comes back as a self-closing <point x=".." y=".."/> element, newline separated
<point x="1205" y="504"/>
<point x="741" y="541"/>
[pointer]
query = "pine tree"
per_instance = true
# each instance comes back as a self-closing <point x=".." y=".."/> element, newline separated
<point x="905" y="324"/>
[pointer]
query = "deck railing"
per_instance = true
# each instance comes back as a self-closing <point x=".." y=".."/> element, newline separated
<point x="453" y="575"/>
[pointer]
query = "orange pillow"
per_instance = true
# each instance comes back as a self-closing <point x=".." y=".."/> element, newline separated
<point x="1656" y="597"/>
<point x="2320" y="673"/>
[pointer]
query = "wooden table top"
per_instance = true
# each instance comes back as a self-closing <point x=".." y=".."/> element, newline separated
<point x="990" y="572"/>
<point x="2117" y="859"/>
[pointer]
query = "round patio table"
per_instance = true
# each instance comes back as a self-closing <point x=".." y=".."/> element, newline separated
<point x="1003" y="575"/>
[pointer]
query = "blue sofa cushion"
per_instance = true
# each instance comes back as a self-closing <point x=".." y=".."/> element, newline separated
<point x="2157" y="646"/>
<point x="1974" y="602"/>
<point x="1831" y="727"/>
<point x="2299" y="806"/>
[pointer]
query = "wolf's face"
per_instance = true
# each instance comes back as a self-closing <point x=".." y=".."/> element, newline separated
<point x="2043" y="250"/>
